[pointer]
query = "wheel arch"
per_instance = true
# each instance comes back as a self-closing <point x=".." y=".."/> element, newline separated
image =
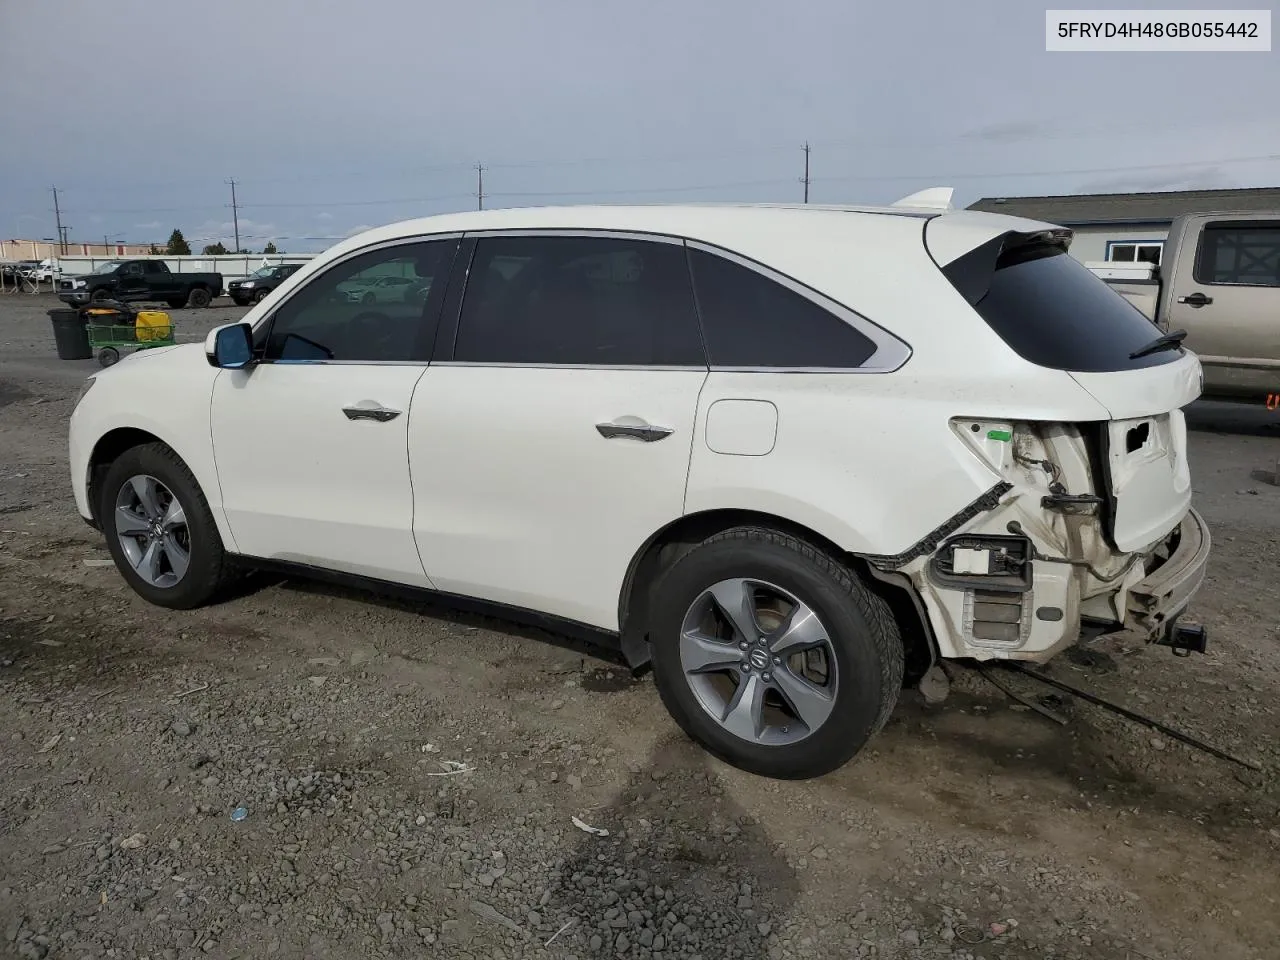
<point x="116" y="441"/>
<point x="682" y="534"/>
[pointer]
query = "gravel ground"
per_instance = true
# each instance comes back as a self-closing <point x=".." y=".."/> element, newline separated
<point x="409" y="775"/>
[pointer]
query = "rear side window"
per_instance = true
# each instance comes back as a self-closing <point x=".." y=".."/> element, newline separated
<point x="594" y="301"/>
<point x="1052" y="311"/>
<point x="1244" y="254"/>
<point x="750" y="320"/>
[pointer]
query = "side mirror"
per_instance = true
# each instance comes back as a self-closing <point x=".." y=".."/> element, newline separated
<point x="230" y="347"/>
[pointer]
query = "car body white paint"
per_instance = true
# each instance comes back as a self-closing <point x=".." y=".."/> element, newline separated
<point x="495" y="483"/>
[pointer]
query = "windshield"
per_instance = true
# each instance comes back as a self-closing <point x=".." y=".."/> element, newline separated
<point x="264" y="272"/>
<point x="109" y="267"/>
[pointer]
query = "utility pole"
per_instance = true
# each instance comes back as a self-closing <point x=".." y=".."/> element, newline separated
<point x="235" y="212"/>
<point x="805" y="179"/>
<point x="57" y="214"/>
<point x="479" y="187"/>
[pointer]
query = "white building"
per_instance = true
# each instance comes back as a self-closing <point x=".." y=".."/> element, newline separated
<point x="1124" y="227"/>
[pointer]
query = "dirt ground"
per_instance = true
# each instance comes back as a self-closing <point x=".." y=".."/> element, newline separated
<point x="410" y="774"/>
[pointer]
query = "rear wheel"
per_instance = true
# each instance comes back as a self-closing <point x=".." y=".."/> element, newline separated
<point x="773" y="654"/>
<point x="199" y="298"/>
<point x="108" y="357"/>
<point x="160" y="530"/>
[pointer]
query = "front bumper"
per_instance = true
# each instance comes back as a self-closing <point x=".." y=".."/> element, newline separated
<point x="1160" y="598"/>
<point x="77" y="298"/>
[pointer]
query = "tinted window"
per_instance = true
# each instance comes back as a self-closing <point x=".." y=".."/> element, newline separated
<point x="1247" y="254"/>
<point x="154" y="267"/>
<point x="1053" y="311"/>
<point x="578" y="300"/>
<point x="752" y="321"/>
<point x="331" y="318"/>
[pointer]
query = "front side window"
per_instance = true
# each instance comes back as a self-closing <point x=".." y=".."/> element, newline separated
<point x="753" y="321"/>
<point x="330" y="318"/>
<point x="578" y="301"/>
<point x="1244" y="254"/>
<point x="131" y="270"/>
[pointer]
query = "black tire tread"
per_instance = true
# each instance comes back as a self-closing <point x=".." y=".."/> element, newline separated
<point x="874" y="609"/>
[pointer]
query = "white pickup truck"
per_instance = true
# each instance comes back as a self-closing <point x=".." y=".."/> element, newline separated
<point x="1219" y="280"/>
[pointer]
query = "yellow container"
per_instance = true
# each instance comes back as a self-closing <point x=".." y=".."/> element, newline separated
<point x="153" y="325"/>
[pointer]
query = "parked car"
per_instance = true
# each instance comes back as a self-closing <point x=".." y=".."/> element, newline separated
<point x="1219" y="280"/>
<point x="259" y="283"/>
<point x="789" y="456"/>
<point x="140" y="280"/>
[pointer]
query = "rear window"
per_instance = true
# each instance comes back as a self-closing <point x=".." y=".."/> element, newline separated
<point x="1051" y="310"/>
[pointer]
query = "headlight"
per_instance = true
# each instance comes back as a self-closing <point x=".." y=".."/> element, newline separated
<point x="247" y="283"/>
<point x="81" y="284"/>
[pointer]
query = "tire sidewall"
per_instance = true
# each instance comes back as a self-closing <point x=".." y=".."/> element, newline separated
<point x="205" y="543"/>
<point x="199" y="299"/>
<point x="858" y="664"/>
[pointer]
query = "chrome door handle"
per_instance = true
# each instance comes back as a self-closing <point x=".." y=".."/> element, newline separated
<point x="633" y="428"/>
<point x="378" y="414"/>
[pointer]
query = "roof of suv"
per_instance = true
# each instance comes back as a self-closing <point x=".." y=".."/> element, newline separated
<point x="731" y="225"/>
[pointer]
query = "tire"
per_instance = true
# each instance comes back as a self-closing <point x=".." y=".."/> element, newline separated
<point x="260" y="295"/>
<point x="208" y="568"/>
<point x="99" y="295"/>
<point x="861" y="647"/>
<point x="108" y="357"/>
<point x="369" y="298"/>
<point x="199" y="298"/>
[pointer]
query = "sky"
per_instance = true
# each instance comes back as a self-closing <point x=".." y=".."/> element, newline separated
<point x="333" y="115"/>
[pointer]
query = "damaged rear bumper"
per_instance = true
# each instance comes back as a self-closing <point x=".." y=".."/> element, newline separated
<point x="1161" y="597"/>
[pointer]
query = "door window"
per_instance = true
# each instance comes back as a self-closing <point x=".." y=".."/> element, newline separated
<point x="589" y="301"/>
<point x="753" y="321"/>
<point x="131" y="270"/>
<point x="1244" y="254"/>
<point x="339" y="316"/>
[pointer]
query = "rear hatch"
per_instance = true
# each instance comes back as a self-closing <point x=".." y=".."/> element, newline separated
<point x="1053" y="312"/>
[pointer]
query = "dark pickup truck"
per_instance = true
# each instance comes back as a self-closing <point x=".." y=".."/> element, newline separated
<point x="149" y="280"/>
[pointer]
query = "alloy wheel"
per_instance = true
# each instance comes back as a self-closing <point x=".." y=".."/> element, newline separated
<point x="152" y="529"/>
<point x="759" y="661"/>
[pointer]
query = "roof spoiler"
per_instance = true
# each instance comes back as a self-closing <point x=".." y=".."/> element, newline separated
<point x="934" y="198"/>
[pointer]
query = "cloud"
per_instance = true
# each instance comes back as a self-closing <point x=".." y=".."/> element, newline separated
<point x="152" y="225"/>
<point x="1205" y="178"/>
<point x="1009" y="131"/>
<point x="324" y="215"/>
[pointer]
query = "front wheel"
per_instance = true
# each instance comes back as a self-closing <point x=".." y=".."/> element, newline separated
<point x="772" y="654"/>
<point x="160" y="530"/>
<point x="260" y="295"/>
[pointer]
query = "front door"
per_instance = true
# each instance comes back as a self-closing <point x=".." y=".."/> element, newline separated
<point x="311" y="442"/>
<point x="551" y="437"/>
<point x="1227" y="298"/>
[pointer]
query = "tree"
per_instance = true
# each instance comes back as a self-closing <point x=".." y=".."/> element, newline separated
<point x="270" y="248"/>
<point x="214" y="249"/>
<point x="153" y="251"/>
<point x="178" y="246"/>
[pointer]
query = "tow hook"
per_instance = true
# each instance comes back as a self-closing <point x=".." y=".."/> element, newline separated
<point x="1184" y="639"/>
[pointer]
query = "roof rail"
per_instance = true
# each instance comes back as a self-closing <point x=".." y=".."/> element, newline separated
<point x="934" y="198"/>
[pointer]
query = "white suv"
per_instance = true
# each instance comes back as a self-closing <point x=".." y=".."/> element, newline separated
<point x="791" y="456"/>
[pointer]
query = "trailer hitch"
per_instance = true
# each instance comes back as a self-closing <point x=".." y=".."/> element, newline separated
<point x="1183" y="639"/>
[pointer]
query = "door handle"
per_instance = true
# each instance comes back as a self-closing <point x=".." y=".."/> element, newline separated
<point x="632" y="428"/>
<point x="1196" y="299"/>
<point x="379" y="414"/>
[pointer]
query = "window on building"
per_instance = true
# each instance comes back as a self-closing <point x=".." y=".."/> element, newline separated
<point x="1247" y="254"/>
<point x="1135" y="251"/>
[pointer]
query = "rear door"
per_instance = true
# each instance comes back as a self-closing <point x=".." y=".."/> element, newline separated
<point x="550" y="438"/>
<point x="1227" y="297"/>
<point x="159" y="281"/>
<point x="131" y="283"/>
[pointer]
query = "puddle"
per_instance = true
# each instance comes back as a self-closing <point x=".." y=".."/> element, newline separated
<point x="608" y="679"/>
